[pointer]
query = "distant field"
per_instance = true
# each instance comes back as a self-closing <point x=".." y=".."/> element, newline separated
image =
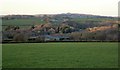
<point x="24" y="21"/>
<point x="60" y="55"/>
<point x="32" y="21"/>
<point x="94" y="20"/>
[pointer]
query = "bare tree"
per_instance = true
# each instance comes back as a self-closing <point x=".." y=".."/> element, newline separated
<point x="20" y="37"/>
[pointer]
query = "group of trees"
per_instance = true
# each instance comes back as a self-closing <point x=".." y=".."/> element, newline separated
<point x="14" y="35"/>
<point x="12" y="28"/>
<point x="103" y="35"/>
<point x="52" y="29"/>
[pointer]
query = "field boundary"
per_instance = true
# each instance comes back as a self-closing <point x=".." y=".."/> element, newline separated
<point x="57" y="42"/>
<point x="60" y="69"/>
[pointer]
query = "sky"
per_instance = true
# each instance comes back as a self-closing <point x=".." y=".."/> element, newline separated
<point x="31" y="7"/>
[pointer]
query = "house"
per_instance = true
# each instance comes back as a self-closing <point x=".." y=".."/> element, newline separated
<point x="32" y="38"/>
<point x="56" y="38"/>
<point x="7" y="36"/>
<point x="6" y="39"/>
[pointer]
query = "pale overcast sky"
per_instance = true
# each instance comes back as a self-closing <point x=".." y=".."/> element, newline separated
<point x="96" y="7"/>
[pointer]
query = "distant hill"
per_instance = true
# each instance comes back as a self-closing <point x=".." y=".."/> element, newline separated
<point x="63" y="15"/>
<point x="80" y="21"/>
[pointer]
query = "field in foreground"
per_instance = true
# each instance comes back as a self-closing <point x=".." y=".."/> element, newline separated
<point x="60" y="55"/>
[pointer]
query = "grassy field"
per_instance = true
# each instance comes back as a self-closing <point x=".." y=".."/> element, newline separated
<point x="23" y="22"/>
<point x="60" y="55"/>
<point x="33" y="21"/>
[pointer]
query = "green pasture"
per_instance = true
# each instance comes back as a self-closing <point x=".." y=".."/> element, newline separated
<point x="33" y="21"/>
<point x="60" y="55"/>
<point x="23" y="22"/>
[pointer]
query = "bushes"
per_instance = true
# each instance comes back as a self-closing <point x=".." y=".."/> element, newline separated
<point x="20" y="37"/>
<point x="105" y="35"/>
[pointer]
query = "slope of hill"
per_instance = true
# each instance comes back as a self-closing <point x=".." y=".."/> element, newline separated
<point x="102" y="28"/>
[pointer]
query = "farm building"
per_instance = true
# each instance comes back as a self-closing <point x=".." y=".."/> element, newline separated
<point x="56" y="38"/>
<point x="49" y="38"/>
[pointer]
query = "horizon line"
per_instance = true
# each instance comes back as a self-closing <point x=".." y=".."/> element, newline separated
<point x="59" y="13"/>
